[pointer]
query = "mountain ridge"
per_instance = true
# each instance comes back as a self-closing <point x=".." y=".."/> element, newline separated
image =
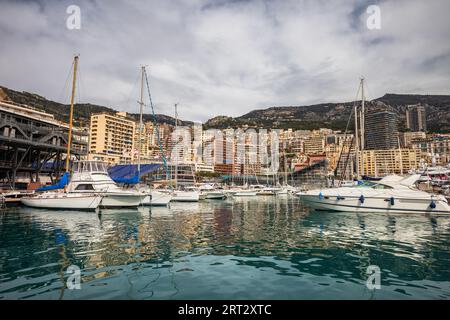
<point x="323" y="115"/>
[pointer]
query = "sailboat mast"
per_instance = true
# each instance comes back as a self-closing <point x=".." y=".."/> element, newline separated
<point x="141" y="110"/>
<point x="362" y="115"/>
<point x="362" y="124"/>
<point x="400" y="156"/>
<point x="69" y="140"/>
<point x="356" y="142"/>
<point x="285" y="165"/>
<point x="176" y="146"/>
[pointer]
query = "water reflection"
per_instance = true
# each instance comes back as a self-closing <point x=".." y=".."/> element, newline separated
<point x="243" y="248"/>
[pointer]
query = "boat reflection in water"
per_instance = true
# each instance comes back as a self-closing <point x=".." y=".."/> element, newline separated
<point x="244" y="249"/>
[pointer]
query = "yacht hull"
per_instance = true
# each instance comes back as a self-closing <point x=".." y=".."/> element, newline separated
<point x="63" y="201"/>
<point x="157" y="199"/>
<point x="245" y="194"/>
<point x="118" y="200"/>
<point x="214" y="195"/>
<point x="380" y="205"/>
<point x="186" y="196"/>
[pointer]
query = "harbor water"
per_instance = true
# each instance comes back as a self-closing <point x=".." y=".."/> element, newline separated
<point x="243" y="248"/>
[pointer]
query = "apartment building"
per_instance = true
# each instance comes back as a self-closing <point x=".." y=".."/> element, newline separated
<point x="379" y="163"/>
<point x="111" y="138"/>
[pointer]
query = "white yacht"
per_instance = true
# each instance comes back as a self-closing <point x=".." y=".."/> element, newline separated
<point x="63" y="200"/>
<point x="90" y="176"/>
<point x="187" y="195"/>
<point x="392" y="194"/>
<point x="156" y="197"/>
<point x="210" y="192"/>
<point x="245" y="193"/>
<point x="268" y="191"/>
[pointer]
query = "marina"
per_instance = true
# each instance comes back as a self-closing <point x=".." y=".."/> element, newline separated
<point x="225" y="155"/>
<point x="243" y="248"/>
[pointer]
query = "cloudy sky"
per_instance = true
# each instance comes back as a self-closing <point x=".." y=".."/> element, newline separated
<point x="225" y="57"/>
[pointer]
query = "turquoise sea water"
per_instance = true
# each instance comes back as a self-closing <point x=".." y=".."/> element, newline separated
<point x="257" y="248"/>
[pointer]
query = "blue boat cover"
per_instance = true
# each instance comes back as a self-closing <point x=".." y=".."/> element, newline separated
<point x="61" y="183"/>
<point x="128" y="173"/>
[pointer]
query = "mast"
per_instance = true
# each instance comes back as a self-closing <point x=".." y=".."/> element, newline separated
<point x="74" y="81"/>
<point x="176" y="145"/>
<point x="285" y="165"/>
<point x="362" y="124"/>
<point x="141" y="110"/>
<point x="400" y="156"/>
<point x="356" y="142"/>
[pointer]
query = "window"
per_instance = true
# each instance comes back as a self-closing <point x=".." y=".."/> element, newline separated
<point x="84" y="187"/>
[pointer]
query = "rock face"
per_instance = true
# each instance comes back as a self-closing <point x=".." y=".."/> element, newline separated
<point x="336" y="115"/>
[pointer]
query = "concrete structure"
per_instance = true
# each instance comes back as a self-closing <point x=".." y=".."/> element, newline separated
<point x="112" y="138"/>
<point x="32" y="142"/>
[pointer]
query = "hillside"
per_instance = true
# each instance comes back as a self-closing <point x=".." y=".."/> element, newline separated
<point x="324" y="115"/>
<point x="335" y="115"/>
<point x="82" y="111"/>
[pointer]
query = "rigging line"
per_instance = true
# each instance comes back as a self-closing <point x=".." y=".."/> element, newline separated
<point x="66" y="84"/>
<point x="134" y="85"/>
<point x="346" y="129"/>
<point x="156" y="125"/>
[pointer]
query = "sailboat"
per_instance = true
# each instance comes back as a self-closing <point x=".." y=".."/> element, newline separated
<point x="190" y="194"/>
<point x="64" y="200"/>
<point x="152" y="197"/>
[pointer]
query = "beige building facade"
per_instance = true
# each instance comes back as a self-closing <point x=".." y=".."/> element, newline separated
<point x="111" y="138"/>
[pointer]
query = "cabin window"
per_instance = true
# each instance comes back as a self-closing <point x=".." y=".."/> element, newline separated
<point x="84" y="187"/>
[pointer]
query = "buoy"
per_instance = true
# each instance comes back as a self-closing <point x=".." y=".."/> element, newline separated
<point x="361" y="199"/>
<point x="432" y="204"/>
<point x="392" y="201"/>
<point x="321" y="196"/>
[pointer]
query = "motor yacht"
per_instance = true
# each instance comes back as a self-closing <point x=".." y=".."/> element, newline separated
<point x="392" y="194"/>
<point x="91" y="177"/>
<point x="188" y="194"/>
<point x="154" y="197"/>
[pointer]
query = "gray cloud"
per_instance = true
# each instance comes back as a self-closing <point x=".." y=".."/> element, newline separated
<point x="226" y="57"/>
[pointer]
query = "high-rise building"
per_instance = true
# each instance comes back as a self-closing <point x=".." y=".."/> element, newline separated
<point x="416" y="118"/>
<point x="381" y="131"/>
<point x="111" y="137"/>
